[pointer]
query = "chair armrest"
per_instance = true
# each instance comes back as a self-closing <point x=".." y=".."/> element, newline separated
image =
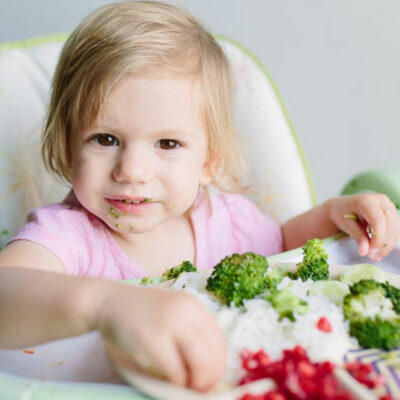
<point x="386" y="181"/>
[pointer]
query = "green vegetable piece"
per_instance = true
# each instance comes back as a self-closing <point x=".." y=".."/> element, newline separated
<point x="286" y="303"/>
<point x="335" y="291"/>
<point x="315" y="262"/>
<point x="371" y="307"/>
<point x="376" y="334"/>
<point x="394" y="295"/>
<point x="358" y="272"/>
<point x="238" y="277"/>
<point x="273" y="277"/>
<point x="174" y="272"/>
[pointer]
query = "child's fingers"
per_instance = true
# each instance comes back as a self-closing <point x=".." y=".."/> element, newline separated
<point x="392" y="228"/>
<point x="164" y="361"/>
<point x="353" y="228"/>
<point x="377" y="225"/>
<point x="204" y="357"/>
<point x="375" y="212"/>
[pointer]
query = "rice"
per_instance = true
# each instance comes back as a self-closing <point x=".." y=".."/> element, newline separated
<point x="256" y="325"/>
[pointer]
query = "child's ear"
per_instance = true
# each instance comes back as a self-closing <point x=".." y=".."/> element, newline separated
<point x="209" y="170"/>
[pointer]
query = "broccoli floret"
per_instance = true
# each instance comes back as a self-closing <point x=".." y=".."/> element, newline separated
<point x="286" y="303"/>
<point x="238" y="277"/>
<point x="374" y="320"/>
<point x="273" y="278"/>
<point x="376" y="334"/>
<point x="315" y="262"/>
<point x="394" y="295"/>
<point x="174" y="272"/>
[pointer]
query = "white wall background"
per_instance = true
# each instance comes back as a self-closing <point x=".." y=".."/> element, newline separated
<point x="335" y="62"/>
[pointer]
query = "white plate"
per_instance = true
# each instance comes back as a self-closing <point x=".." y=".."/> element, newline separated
<point x="163" y="390"/>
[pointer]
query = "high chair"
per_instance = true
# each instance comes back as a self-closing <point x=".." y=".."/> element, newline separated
<point x="281" y="185"/>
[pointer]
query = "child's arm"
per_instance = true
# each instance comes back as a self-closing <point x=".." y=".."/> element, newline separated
<point x="354" y="215"/>
<point x="171" y="331"/>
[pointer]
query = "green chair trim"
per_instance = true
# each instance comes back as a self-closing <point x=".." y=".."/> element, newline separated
<point x="28" y="43"/>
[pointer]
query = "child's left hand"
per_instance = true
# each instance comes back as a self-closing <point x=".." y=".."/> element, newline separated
<point x="370" y="219"/>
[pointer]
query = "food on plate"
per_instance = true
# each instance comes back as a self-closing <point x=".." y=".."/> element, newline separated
<point x="373" y="315"/>
<point x="174" y="272"/>
<point x="315" y="262"/>
<point x="238" y="277"/>
<point x="359" y="272"/>
<point x="287" y="304"/>
<point x="295" y="376"/>
<point x="334" y="290"/>
<point x="274" y="311"/>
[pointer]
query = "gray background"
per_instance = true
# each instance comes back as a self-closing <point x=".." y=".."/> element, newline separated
<point x="335" y="62"/>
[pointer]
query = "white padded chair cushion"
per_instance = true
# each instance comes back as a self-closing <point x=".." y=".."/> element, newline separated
<point x="280" y="182"/>
<point x="280" y="185"/>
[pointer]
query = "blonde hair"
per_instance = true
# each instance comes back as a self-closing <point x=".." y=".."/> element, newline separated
<point x="133" y="38"/>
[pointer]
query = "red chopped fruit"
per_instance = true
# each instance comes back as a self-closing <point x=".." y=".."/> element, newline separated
<point x="324" y="325"/>
<point x="28" y="351"/>
<point x="295" y="377"/>
<point x="274" y="395"/>
<point x="365" y="374"/>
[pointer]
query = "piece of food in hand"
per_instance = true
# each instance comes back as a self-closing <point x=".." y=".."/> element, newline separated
<point x="358" y="272"/>
<point x="238" y="277"/>
<point x="374" y="320"/>
<point x="174" y="272"/>
<point x="335" y="291"/>
<point x="315" y="262"/>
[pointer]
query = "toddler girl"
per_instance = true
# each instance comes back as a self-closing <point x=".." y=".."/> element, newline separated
<point x="140" y="125"/>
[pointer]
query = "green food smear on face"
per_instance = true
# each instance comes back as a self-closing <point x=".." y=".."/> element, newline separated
<point x="147" y="280"/>
<point x="118" y="226"/>
<point x="147" y="200"/>
<point x="113" y="212"/>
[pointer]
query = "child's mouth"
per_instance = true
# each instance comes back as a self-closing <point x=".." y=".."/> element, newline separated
<point x="131" y="205"/>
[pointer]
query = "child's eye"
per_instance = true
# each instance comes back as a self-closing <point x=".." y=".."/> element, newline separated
<point x="104" y="139"/>
<point x="168" y="144"/>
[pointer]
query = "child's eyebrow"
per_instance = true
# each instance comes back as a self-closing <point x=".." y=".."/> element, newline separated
<point x="173" y="131"/>
<point x="160" y="132"/>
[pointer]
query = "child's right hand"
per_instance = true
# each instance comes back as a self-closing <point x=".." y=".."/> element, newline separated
<point x="162" y="331"/>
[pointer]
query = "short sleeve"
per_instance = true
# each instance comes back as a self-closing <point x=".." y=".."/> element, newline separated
<point x="251" y="229"/>
<point x="233" y="225"/>
<point x="62" y="230"/>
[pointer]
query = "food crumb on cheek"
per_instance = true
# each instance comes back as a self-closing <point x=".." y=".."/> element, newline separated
<point x="118" y="226"/>
<point x="130" y="227"/>
<point x="113" y="212"/>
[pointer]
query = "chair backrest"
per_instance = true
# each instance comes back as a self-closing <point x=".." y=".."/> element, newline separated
<point x="281" y="184"/>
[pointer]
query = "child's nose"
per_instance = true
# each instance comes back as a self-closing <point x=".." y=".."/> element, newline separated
<point x="133" y="167"/>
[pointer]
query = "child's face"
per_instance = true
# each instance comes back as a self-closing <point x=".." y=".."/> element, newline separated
<point x="149" y="144"/>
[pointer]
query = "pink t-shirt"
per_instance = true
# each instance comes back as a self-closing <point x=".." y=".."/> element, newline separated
<point x="86" y="248"/>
